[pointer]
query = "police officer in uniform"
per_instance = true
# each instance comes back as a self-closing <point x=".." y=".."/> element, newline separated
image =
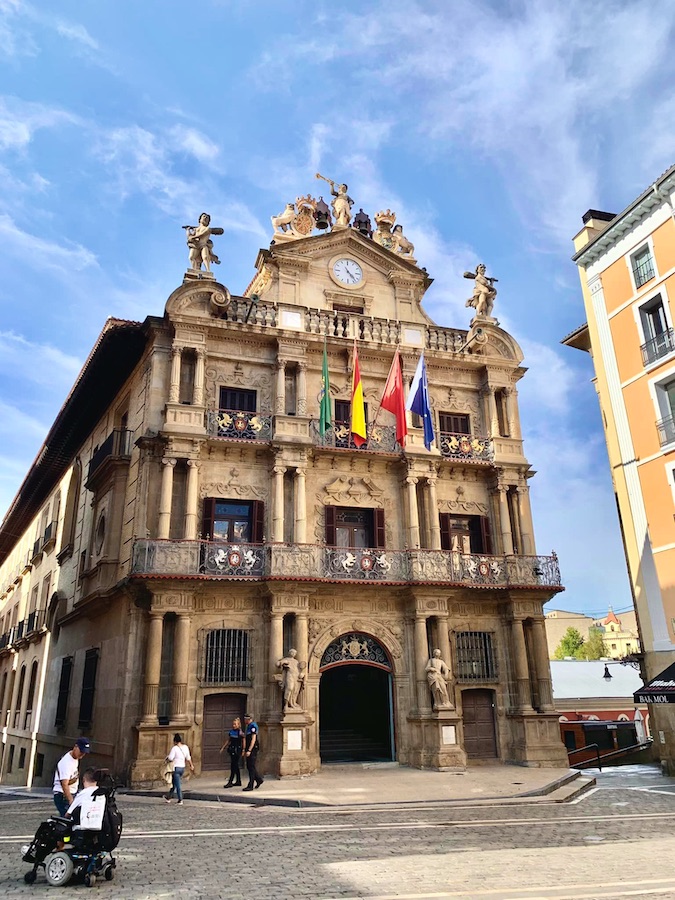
<point x="251" y="748"/>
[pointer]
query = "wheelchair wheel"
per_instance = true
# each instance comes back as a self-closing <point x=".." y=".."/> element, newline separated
<point x="109" y="873"/>
<point x="30" y="877"/>
<point x="58" y="868"/>
<point x="90" y="880"/>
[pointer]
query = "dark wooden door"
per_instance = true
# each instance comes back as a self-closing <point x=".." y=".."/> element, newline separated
<point x="480" y="737"/>
<point x="219" y="710"/>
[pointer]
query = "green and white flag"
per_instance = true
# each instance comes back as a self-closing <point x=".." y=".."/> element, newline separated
<point x="325" y="419"/>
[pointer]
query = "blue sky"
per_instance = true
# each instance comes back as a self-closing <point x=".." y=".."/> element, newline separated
<point x="488" y="127"/>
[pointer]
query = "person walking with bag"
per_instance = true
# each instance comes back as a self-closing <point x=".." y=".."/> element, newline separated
<point x="252" y="748"/>
<point x="234" y="746"/>
<point x="179" y="755"/>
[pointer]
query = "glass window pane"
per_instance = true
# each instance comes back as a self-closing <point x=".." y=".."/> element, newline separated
<point x="241" y="531"/>
<point x="221" y="530"/>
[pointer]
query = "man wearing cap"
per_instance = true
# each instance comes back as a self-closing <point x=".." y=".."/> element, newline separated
<point x="66" y="775"/>
<point x="251" y="748"/>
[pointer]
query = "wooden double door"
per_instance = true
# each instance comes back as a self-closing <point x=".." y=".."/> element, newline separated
<point x="478" y="714"/>
<point x="219" y="710"/>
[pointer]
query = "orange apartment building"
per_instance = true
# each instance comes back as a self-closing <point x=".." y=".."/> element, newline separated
<point x="627" y="268"/>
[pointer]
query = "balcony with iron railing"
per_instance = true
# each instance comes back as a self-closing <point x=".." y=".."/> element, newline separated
<point x="666" y="430"/>
<point x="319" y="563"/>
<point x="116" y="446"/>
<point x="643" y="269"/>
<point x="381" y="438"/>
<point x="658" y="346"/>
<point x="238" y="425"/>
<point x="465" y="447"/>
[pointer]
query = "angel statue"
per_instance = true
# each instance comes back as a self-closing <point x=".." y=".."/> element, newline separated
<point x="200" y="244"/>
<point x="342" y="204"/>
<point x="484" y="292"/>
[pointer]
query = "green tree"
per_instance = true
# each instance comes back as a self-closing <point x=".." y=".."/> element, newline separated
<point x="594" y="647"/>
<point x="570" y="644"/>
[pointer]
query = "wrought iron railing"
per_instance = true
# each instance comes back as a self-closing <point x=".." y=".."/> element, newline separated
<point x="658" y="346"/>
<point x="643" y="270"/>
<point x="666" y="430"/>
<point x="230" y="423"/>
<point x="466" y="447"/>
<point x="305" y="561"/>
<point x="117" y="444"/>
<point x="381" y="438"/>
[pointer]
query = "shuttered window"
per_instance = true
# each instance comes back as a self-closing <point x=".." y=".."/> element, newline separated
<point x="465" y="534"/>
<point x="237" y="400"/>
<point x="454" y="423"/>
<point x="233" y="521"/>
<point x="64" y="691"/>
<point x="88" y="687"/>
<point x="351" y="527"/>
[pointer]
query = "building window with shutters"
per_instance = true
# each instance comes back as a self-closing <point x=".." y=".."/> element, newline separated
<point x="225" y="657"/>
<point x="475" y="656"/>
<point x="454" y="423"/>
<point x="354" y="528"/>
<point x="233" y="521"/>
<point x="88" y="687"/>
<point x="237" y="400"/>
<point x="64" y="692"/>
<point x="343" y="423"/>
<point x="465" y="534"/>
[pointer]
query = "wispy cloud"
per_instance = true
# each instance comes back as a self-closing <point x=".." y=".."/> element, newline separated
<point x="18" y="356"/>
<point x="43" y="253"/>
<point x="194" y="143"/>
<point x="77" y="33"/>
<point x="19" y="120"/>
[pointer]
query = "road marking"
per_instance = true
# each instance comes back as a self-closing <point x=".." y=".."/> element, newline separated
<point x="584" y="796"/>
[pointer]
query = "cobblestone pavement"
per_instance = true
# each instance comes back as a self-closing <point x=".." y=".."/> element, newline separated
<point x="616" y="841"/>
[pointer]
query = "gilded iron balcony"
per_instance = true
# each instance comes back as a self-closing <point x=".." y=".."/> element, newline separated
<point x="381" y="438"/>
<point x="318" y="563"/>
<point x="230" y="423"/>
<point x="666" y="430"/>
<point x="465" y="447"/>
<point x="117" y="445"/>
<point x="660" y="345"/>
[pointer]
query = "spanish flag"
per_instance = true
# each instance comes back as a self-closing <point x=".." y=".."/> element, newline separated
<point x="358" y="424"/>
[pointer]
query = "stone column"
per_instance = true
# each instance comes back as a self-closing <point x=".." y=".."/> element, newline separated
<point x="542" y="664"/>
<point x="522" y="670"/>
<point x="302" y="636"/>
<point x="492" y="413"/>
<point x="434" y="523"/>
<point x="280" y="402"/>
<point x="165" y="497"/>
<point x="198" y="392"/>
<point x="421" y="660"/>
<point x="276" y="647"/>
<point x="181" y="658"/>
<point x="153" y="662"/>
<point x="300" y="532"/>
<point x="526" y="520"/>
<point x="516" y="530"/>
<point x="192" y="500"/>
<point x="512" y="412"/>
<point x="446" y="656"/>
<point x="174" y="382"/>
<point x="505" y="521"/>
<point x="278" y="509"/>
<point x="413" y="515"/>
<point x="302" y="389"/>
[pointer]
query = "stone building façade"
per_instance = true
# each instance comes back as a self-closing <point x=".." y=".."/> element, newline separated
<point x="206" y="527"/>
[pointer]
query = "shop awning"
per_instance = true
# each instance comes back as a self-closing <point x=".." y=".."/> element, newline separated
<point x="659" y="690"/>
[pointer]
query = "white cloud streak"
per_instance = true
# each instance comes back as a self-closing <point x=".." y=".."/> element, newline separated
<point x="43" y="253"/>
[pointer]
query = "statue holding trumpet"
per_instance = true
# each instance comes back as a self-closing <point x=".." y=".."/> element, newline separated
<point x="342" y="203"/>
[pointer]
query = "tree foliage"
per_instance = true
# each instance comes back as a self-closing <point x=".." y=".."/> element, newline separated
<point x="570" y="644"/>
<point x="594" y="647"/>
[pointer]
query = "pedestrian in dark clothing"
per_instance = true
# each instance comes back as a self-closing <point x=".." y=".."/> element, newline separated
<point x="252" y="747"/>
<point x="235" y="747"/>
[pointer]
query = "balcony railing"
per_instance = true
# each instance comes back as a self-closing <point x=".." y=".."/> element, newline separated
<point x="117" y="444"/>
<point x="312" y="561"/>
<point x="230" y="423"/>
<point x="660" y="345"/>
<point x="666" y="430"/>
<point x="466" y="447"/>
<point x="643" y="270"/>
<point x="381" y="438"/>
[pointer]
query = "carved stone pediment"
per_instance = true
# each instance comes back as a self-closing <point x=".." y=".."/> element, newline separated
<point x="234" y="486"/>
<point x="354" y="490"/>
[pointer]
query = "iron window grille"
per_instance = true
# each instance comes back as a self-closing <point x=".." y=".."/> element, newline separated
<point x="643" y="267"/>
<point x="226" y="657"/>
<point x="475" y="656"/>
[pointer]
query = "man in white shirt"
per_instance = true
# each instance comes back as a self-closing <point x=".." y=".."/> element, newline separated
<point x="66" y="775"/>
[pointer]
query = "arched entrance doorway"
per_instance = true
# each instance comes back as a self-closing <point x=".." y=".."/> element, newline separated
<point x="356" y="720"/>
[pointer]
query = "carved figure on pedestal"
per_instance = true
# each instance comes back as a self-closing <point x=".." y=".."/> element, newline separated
<point x="437" y="676"/>
<point x="402" y="244"/>
<point x="281" y="222"/>
<point x="484" y="291"/>
<point x="342" y="204"/>
<point x="297" y="219"/>
<point x="383" y="234"/>
<point x="292" y="679"/>
<point x="199" y="243"/>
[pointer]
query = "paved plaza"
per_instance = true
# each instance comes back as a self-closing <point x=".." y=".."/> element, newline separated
<point x="614" y="841"/>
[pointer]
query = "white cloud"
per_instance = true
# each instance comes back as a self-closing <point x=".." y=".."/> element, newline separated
<point x="76" y="32"/>
<point x="19" y="120"/>
<point x="193" y="142"/>
<point x="14" y="420"/>
<point x="42" y="364"/>
<point x="43" y="253"/>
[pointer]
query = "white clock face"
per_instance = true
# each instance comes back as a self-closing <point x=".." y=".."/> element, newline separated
<point x="348" y="271"/>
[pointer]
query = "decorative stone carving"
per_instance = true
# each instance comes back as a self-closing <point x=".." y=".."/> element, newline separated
<point x="464" y="506"/>
<point x="292" y="679"/>
<point x="355" y="647"/>
<point x="344" y="489"/>
<point x="234" y="486"/>
<point x="200" y="245"/>
<point x="383" y="235"/>
<point x="484" y="292"/>
<point x="296" y="223"/>
<point x="437" y="676"/>
<point x="341" y="204"/>
<point x="402" y="245"/>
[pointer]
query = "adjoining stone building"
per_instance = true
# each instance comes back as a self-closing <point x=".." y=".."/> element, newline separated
<point x="208" y="527"/>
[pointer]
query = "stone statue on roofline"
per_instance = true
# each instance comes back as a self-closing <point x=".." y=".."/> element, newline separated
<point x="342" y="203"/>
<point x="200" y="245"/>
<point x="484" y="292"/>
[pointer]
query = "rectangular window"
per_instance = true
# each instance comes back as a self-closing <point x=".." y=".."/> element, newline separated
<point x="166" y="670"/>
<point x="354" y="528"/>
<point x="343" y="422"/>
<point x="22" y="758"/>
<point x="465" y="534"/>
<point x="666" y="399"/>
<point x="88" y="687"/>
<point x="10" y="763"/>
<point x="226" y="652"/>
<point x="237" y="400"/>
<point x="233" y="521"/>
<point x="64" y="691"/>
<point x="658" y="337"/>
<point x="642" y="264"/>
<point x="475" y="656"/>
<point x="39" y="765"/>
<point x="454" y="423"/>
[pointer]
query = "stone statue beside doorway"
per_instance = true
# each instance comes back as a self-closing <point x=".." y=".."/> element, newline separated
<point x="292" y="679"/>
<point x="438" y="675"/>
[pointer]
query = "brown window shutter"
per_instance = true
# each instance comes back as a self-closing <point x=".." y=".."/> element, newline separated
<point x="444" y="519"/>
<point x="380" y="540"/>
<point x="258" y="529"/>
<point x="330" y="526"/>
<point x="486" y="533"/>
<point x="207" y="520"/>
